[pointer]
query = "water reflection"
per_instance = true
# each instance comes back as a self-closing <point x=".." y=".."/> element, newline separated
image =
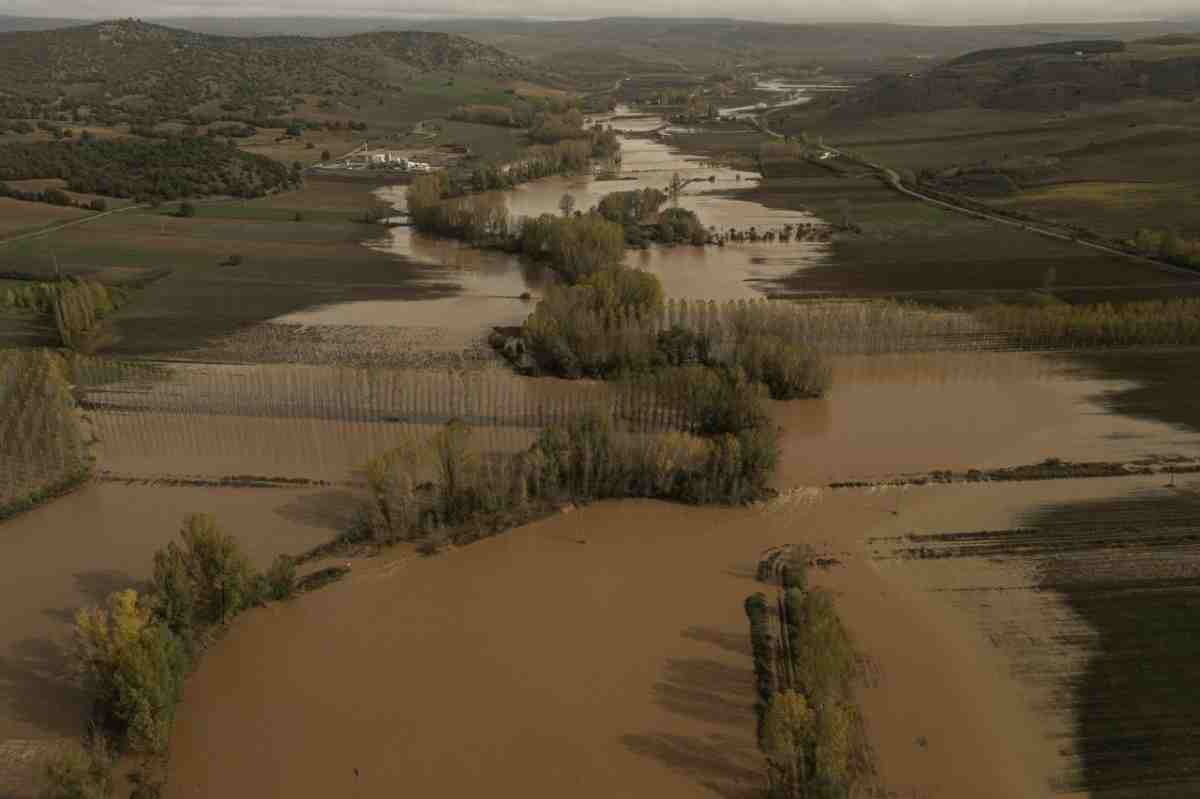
<point x="491" y="282"/>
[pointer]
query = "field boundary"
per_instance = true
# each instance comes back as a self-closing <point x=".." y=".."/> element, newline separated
<point x="63" y="225"/>
<point x="949" y="203"/>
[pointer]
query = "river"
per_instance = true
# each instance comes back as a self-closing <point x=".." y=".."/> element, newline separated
<point x="490" y="283"/>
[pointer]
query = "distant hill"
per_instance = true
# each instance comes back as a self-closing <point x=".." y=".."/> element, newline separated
<point x="135" y="71"/>
<point x="609" y="46"/>
<point x="1068" y="48"/>
<point x="1059" y="77"/>
<point x="10" y="23"/>
<point x="605" y="48"/>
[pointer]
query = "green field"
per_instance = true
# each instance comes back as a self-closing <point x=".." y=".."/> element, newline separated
<point x="285" y="265"/>
<point x="1111" y="169"/>
<point x="910" y="248"/>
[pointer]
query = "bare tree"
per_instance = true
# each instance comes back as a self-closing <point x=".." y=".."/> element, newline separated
<point x="675" y="188"/>
<point x="566" y="204"/>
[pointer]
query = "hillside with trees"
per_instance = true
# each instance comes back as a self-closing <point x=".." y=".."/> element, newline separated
<point x="1060" y="77"/>
<point x="147" y="169"/>
<point x="130" y="71"/>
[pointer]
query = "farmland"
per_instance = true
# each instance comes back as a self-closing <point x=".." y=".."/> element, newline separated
<point x="285" y="264"/>
<point x="980" y="441"/>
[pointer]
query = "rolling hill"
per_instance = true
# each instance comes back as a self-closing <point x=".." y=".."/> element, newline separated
<point x="132" y="71"/>
<point x="1063" y="76"/>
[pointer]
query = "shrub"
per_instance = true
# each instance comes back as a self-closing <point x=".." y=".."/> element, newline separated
<point x="680" y="224"/>
<point x="186" y="209"/>
<point x="79" y="771"/>
<point x="280" y="579"/>
<point x="392" y="478"/>
<point x="134" y="669"/>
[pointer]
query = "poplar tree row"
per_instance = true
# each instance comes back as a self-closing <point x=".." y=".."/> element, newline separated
<point x="809" y="728"/>
<point x="42" y="445"/>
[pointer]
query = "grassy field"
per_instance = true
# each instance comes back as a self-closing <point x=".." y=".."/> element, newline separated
<point x="18" y="216"/>
<point x="1111" y="168"/>
<point x="907" y="247"/>
<point x="285" y="265"/>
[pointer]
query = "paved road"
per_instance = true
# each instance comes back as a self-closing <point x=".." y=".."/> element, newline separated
<point x="892" y="178"/>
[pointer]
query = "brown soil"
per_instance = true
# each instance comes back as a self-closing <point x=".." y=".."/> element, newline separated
<point x="17" y="216"/>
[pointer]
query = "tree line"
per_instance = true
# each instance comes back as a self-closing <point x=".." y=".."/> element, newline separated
<point x="1169" y="245"/>
<point x="809" y="728"/>
<point x="75" y="306"/>
<point x="442" y="489"/>
<point x="52" y="196"/>
<point x="1174" y="322"/>
<point x="43" y="449"/>
<point x="143" y="170"/>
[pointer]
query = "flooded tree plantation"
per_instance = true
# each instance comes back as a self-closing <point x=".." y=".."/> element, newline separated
<point x="529" y="565"/>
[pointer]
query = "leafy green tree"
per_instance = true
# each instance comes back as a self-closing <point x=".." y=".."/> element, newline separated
<point x="133" y="667"/>
<point x="213" y="569"/>
<point x="789" y="733"/>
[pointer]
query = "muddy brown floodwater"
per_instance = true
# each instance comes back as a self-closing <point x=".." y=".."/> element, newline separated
<point x="80" y="548"/>
<point x="603" y="652"/>
<point x="492" y="282"/>
<point x="886" y="415"/>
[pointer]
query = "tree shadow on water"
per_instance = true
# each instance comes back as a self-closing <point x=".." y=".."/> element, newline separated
<point x="719" y="763"/>
<point x="331" y="510"/>
<point x="95" y="586"/>
<point x="737" y="643"/>
<point x="37" y="687"/>
<point x="708" y="691"/>
<point x="713" y="693"/>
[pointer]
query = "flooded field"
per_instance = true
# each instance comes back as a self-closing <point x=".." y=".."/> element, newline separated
<point x="490" y="283"/>
<point x="603" y="652"/>
<point x="972" y="666"/>
<point x="667" y="700"/>
<point x="887" y="415"/>
<point x="636" y="674"/>
<point x="100" y="539"/>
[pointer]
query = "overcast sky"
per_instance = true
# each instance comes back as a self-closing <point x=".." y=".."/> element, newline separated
<point x="936" y="11"/>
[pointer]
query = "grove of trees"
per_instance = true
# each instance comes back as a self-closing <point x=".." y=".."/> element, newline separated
<point x="441" y="489"/>
<point x="141" y="169"/>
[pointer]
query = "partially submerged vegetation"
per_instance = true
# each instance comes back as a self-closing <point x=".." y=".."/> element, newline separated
<point x="75" y="306"/>
<point x="134" y="652"/>
<point x="809" y="727"/>
<point x="43" y="447"/>
<point x="616" y="323"/>
<point x="1156" y="323"/>
<point x="473" y="495"/>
